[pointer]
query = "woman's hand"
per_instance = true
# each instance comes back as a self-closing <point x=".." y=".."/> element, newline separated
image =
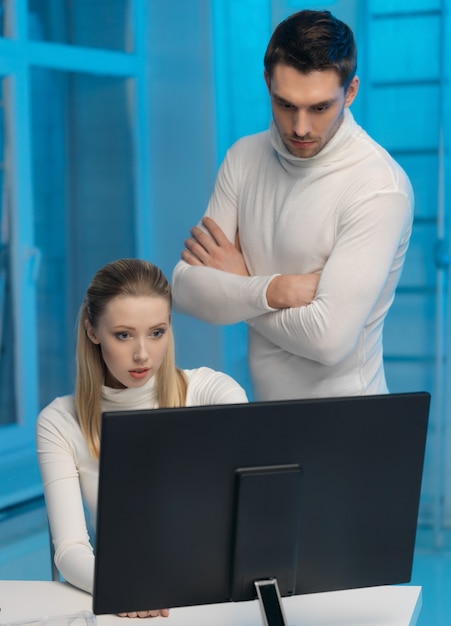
<point x="155" y="613"/>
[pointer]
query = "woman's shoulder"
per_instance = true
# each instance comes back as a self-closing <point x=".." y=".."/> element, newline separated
<point x="202" y="373"/>
<point x="59" y="411"/>
<point x="209" y="386"/>
<point x="61" y="403"/>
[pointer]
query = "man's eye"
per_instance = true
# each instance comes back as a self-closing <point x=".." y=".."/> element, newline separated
<point x="282" y="104"/>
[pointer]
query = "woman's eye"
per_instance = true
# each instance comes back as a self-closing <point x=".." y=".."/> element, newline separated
<point x="122" y="335"/>
<point x="159" y="332"/>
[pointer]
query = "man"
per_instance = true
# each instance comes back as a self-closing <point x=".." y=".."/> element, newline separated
<point x="306" y="232"/>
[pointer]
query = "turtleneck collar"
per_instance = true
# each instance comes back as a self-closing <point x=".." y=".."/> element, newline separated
<point x="331" y="151"/>
<point x="144" y="397"/>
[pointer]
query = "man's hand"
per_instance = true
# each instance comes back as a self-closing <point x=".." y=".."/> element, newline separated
<point x="213" y="249"/>
<point x="292" y="290"/>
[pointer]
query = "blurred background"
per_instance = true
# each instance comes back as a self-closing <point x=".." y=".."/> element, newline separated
<point x="114" y="118"/>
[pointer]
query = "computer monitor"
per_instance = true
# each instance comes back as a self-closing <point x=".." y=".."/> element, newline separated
<point x="198" y="504"/>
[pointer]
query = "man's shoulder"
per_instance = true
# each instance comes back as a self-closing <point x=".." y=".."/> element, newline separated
<point x="256" y="141"/>
<point x="249" y="153"/>
<point x="377" y="159"/>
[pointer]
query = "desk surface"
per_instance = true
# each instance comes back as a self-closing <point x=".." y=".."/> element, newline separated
<point x="375" y="606"/>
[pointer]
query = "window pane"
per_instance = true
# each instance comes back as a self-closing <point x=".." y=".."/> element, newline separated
<point x="90" y="23"/>
<point x="398" y="6"/>
<point x="418" y="33"/>
<point x="83" y="202"/>
<point x="7" y="408"/>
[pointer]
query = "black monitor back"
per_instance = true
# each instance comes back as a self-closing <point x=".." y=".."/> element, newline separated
<point x="178" y="524"/>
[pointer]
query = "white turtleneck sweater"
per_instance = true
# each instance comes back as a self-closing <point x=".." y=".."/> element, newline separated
<point x="70" y="474"/>
<point x="347" y="213"/>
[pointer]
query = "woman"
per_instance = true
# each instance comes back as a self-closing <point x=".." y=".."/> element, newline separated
<point x="125" y="360"/>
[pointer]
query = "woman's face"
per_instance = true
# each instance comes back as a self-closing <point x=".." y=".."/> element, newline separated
<point x="133" y="335"/>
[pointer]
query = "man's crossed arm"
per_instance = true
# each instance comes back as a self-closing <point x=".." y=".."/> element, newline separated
<point x="213" y="249"/>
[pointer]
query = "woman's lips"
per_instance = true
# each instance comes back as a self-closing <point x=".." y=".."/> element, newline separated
<point x="139" y="373"/>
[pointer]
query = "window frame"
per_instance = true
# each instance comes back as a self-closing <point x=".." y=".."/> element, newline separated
<point x="17" y="55"/>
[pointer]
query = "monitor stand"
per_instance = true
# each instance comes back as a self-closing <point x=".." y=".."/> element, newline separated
<point x="270" y="602"/>
<point x="265" y="537"/>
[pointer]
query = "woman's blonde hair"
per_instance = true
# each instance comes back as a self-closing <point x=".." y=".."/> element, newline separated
<point x="124" y="277"/>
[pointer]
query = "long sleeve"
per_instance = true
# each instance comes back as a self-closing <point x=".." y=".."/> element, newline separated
<point x="345" y="213"/>
<point x="212" y="295"/>
<point x="219" y="297"/>
<point x="70" y="474"/>
<point x="74" y="556"/>
<point x="363" y="268"/>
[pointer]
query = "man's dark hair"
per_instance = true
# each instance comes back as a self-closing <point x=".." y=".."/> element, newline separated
<point x="313" y="41"/>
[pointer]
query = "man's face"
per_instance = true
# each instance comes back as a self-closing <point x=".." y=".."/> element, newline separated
<point x="308" y="108"/>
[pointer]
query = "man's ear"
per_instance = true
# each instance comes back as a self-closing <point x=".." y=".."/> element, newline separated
<point x="267" y="81"/>
<point x="352" y="91"/>
<point x="91" y="332"/>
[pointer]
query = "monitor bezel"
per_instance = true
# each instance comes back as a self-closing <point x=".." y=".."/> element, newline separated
<point x="162" y="478"/>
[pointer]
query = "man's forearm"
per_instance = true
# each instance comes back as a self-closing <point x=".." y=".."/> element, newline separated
<point x="218" y="297"/>
<point x="292" y="290"/>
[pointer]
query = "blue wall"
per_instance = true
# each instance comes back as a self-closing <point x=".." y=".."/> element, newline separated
<point x="132" y="133"/>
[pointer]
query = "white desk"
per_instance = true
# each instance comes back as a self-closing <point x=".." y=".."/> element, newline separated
<point x="376" y="606"/>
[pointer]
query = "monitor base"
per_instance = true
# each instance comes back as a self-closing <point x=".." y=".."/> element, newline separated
<point x="270" y="602"/>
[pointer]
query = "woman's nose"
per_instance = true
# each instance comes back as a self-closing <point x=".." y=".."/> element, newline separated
<point x="140" y="353"/>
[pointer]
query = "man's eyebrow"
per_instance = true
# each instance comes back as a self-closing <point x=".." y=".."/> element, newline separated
<point x="281" y="99"/>
<point x="323" y="103"/>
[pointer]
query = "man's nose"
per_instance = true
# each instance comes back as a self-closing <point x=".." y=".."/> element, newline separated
<point x="301" y="123"/>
